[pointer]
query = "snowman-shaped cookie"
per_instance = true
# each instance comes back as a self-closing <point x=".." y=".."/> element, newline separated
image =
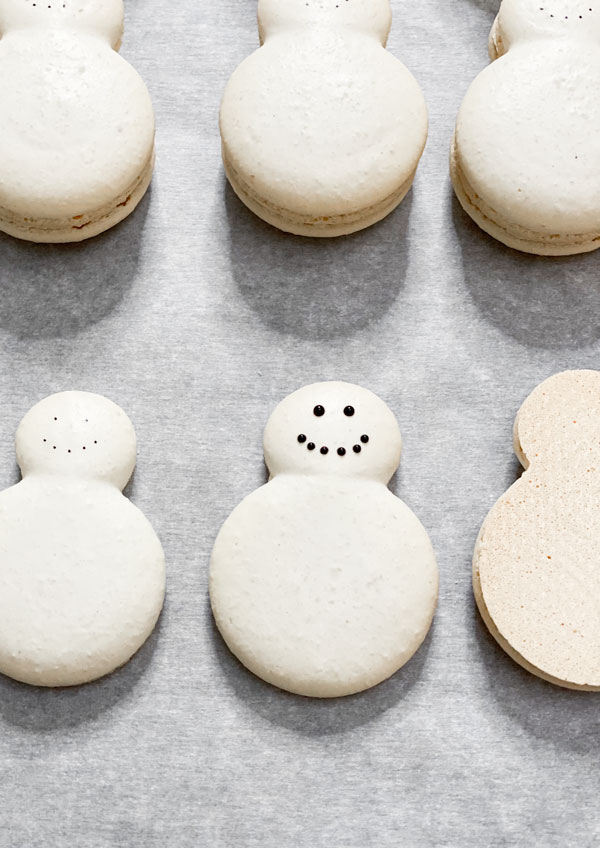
<point x="525" y="154"/>
<point x="322" y="128"/>
<point x="322" y="582"/>
<point x="536" y="568"/>
<point x="82" y="573"/>
<point x="76" y="120"/>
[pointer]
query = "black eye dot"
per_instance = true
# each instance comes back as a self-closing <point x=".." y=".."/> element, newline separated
<point x="301" y="438"/>
<point x="56" y="419"/>
<point x="357" y="448"/>
<point x="311" y="446"/>
<point x="349" y="411"/>
<point x="364" y="440"/>
<point x="44" y="439"/>
<point x="319" y="411"/>
<point x="341" y="451"/>
<point x="324" y="450"/>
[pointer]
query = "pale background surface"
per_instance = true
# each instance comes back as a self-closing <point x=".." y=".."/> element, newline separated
<point x="197" y="319"/>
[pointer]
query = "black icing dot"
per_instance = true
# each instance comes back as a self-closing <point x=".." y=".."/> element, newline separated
<point x="364" y="440"/>
<point x="341" y="451"/>
<point x="53" y="447"/>
<point x="301" y="438"/>
<point x="311" y="446"/>
<point x="83" y="448"/>
<point x="95" y="442"/>
<point x="44" y="439"/>
<point x="357" y="448"/>
<point x="324" y="450"/>
<point x="55" y="418"/>
<point x="319" y="410"/>
<point x="69" y="450"/>
<point x="349" y="411"/>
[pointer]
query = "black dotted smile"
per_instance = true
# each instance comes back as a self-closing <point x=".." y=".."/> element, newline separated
<point x="319" y="412"/>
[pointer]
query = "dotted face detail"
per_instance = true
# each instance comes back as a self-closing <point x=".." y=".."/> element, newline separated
<point x="102" y="17"/>
<point x="369" y="16"/>
<point x="319" y="412"/>
<point x="333" y="433"/>
<point x="77" y="434"/>
<point x="524" y="19"/>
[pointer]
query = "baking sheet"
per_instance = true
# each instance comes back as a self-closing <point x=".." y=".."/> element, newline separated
<point x="197" y="318"/>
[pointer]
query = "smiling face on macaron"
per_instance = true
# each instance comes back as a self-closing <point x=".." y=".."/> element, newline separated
<point x="373" y="17"/>
<point x="77" y="434"/>
<point x="101" y="17"/>
<point x="521" y="20"/>
<point x="333" y="428"/>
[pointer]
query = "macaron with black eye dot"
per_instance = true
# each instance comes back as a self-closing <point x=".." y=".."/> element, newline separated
<point x="322" y="582"/>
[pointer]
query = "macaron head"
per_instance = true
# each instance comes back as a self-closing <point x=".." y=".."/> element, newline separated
<point x="77" y="434"/>
<point x="558" y="426"/>
<point x="333" y="429"/>
<point x="373" y="17"/>
<point x="524" y="20"/>
<point x="99" y="17"/>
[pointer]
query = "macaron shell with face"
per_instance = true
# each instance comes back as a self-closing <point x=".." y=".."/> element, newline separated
<point x="77" y="140"/>
<point x="322" y="128"/>
<point x="524" y="158"/>
<point x="322" y="582"/>
<point x="82" y="573"/>
<point x="535" y="567"/>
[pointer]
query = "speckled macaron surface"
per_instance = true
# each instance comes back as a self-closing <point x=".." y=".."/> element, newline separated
<point x="322" y="582"/>
<point x="76" y="121"/>
<point x="82" y="574"/>
<point x="535" y="568"/>
<point x="322" y="128"/>
<point x="525" y="154"/>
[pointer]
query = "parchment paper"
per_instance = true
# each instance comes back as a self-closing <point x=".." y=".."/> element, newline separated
<point x="197" y="318"/>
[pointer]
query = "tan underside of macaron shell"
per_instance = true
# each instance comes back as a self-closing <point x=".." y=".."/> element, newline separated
<point x="527" y="241"/>
<point x="318" y="227"/>
<point x="536" y="566"/>
<point x="62" y="231"/>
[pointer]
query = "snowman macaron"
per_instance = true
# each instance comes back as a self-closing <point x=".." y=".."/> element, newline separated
<point x="524" y="160"/>
<point x="536" y="567"/>
<point x="322" y="129"/>
<point x="76" y="121"/>
<point x="82" y="573"/>
<point x="322" y="582"/>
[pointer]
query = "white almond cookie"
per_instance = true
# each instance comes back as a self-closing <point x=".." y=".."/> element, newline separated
<point x="322" y="128"/>
<point x="322" y="582"/>
<point x="525" y="155"/>
<point x="82" y="574"/>
<point x="76" y="120"/>
<point x="536" y="571"/>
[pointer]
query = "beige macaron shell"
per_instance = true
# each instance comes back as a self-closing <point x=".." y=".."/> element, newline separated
<point x="536" y="575"/>
<point x="322" y="582"/>
<point x="524" y="157"/>
<point x="76" y="150"/>
<point x="82" y="574"/>
<point x="323" y="129"/>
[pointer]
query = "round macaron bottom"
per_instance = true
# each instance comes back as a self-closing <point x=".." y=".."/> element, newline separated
<point x="64" y="230"/>
<point x="504" y="643"/>
<point x="316" y="226"/>
<point x="513" y="235"/>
